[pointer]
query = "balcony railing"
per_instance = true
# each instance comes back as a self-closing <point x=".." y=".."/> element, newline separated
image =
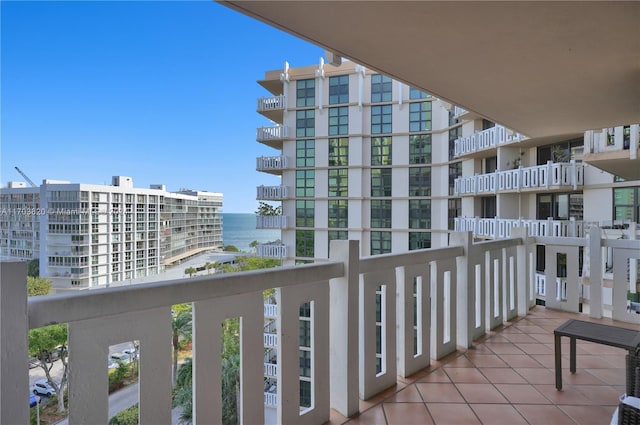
<point x="272" y="251"/>
<point x="271" y="370"/>
<point x="278" y="132"/>
<point x="272" y="193"/>
<point x="271" y="163"/>
<point x="272" y="221"/>
<point x="613" y="139"/>
<point x="500" y="228"/>
<point x="548" y="176"/>
<point x="271" y="103"/>
<point x="431" y="302"/>
<point x="486" y="139"/>
<point x="270" y="311"/>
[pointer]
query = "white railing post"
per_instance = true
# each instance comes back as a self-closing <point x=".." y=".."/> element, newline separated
<point x="344" y="331"/>
<point x="522" y="274"/>
<point x="595" y="272"/>
<point x="14" y="324"/>
<point x="466" y="299"/>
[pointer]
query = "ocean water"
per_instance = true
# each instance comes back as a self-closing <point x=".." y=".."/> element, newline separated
<point x="240" y="230"/>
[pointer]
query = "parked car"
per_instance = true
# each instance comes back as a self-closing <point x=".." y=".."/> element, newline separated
<point x="42" y="387"/>
<point x="33" y="400"/>
<point x="131" y="352"/>
<point x="121" y="357"/>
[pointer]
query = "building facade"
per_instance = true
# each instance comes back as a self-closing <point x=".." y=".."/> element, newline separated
<point x="366" y="157"/>
<point x="91" y="235"/>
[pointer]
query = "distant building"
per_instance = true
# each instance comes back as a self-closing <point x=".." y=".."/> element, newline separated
<point x="90" y="235"/>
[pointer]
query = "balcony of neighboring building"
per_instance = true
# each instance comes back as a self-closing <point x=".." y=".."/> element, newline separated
<point x="272" y="136"/>
<point x="272" y="164"/>
<point x="500" y="228"/>
<point x="272" y="193"/>
<point x="272" y="250"/>
<point x="272" y="107"/>
<point x="485" y="140"/>
<point x="614" y="150"/>
<point x="550" y="176"/>
<point x="272" y="221"/>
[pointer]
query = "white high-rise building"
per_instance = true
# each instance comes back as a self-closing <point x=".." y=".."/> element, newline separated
<point x="91" y="235"/>
<point x="365" y="157"/>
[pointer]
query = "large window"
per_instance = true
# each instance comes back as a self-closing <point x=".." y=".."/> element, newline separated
<point x="380" y="242"/>
<point x="305" y="153"/>
<point x="338" y="213"/>
<point x="560" y="206"/>
<point x="381" y="182"/>
<point x="338" y="152"/>
<point x="419" y="240"/>
<point x="305" y="123"/>
<point x="380" y="214"/>
<point x="419" y="214"/>
<point x="420" y="149"/>
<point x="455" y="171"/>
<point x="381" y="150"/>
<point x="420" y="181"/>
<point x="489" y="206"/>
<point x="338" y="121"/>
<point x="305" y="183"/>
<point x="338" y="89"/>
<point x="454" y="210"/>
<point x="381" y="118"/>
<point x="419" y="116"/>
<point x="304" y="243"/>
<point x="454" y="133"/>
<point x="415" y="93"/>
<point x="561" y="151"/>
<point x="626" y="204"/>
<point x="305" y="211"/>
<point x="305" y="93"/>
<point x="380" y="88"/>
<point x="338" y="182"/>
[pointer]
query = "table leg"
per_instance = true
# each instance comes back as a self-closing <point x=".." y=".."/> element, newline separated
<point x="572" y="352"/>
<point x="558" y="354"/>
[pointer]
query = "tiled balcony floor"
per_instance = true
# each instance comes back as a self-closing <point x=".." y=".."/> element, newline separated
<point x="508" y="378"/>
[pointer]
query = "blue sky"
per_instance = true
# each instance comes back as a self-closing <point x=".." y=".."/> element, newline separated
<point x="164" y="92"/>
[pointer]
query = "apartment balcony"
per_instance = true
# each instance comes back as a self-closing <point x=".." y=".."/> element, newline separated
<point x="272" y="107"/>
<point x="272" y="136"/>
<point x="272" y="251"/>
<point x="272" y="164"/>
<point x="614" y="150"/>
<point x="500" y="228"/>
<point x="486" y="140"/>
<point x="458" y="332"/>
<point x="551" y="176"/>
<point x="272" y="222"/>
<point x="272" y="193"/>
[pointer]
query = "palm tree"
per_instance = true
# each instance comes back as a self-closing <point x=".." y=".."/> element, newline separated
<point x="209" y="266"/>
<point x="181" y="326"/>
<point x="190" y="271"/>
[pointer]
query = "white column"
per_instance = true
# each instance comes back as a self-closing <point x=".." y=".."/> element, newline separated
<point x="14" y="375"/>
<point x="595" y="273"/>
<point x="343" y="325"/>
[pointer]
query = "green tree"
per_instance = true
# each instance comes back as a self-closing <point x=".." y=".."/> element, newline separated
<point x="33" y="268"/>
<point x="183" y="391"/>
<point x="44" y="344"/>
<point x="126" y="417"/>
<point x="268" y="209"/>
<point x="38" y="286"/>
<point x="208" y="266"/>
<point x="230" y="248"/>
<point x="190" y="271"/>
<point x="181" y="327"/>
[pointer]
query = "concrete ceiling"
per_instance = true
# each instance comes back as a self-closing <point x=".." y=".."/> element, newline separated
<point x="540" y="68"/>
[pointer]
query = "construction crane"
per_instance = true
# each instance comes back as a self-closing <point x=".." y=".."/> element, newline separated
<point x="26" y="178"/>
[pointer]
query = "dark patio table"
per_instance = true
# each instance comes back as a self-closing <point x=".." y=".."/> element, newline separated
<point x="613" y="336"/>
